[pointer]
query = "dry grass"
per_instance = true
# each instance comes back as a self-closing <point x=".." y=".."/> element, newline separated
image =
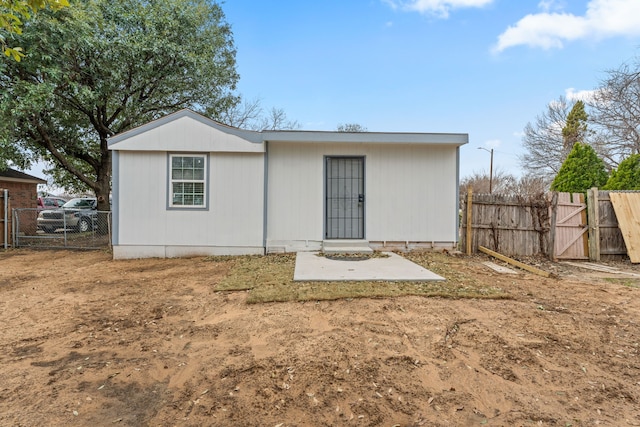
<point x="270" y="279"/>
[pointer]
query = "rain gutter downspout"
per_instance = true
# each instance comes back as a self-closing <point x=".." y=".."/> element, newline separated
<point x="264" y="196"/>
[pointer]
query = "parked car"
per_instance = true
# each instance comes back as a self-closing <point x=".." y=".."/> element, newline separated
<point x="50" y="202"/>
<point x="77" y="214"/>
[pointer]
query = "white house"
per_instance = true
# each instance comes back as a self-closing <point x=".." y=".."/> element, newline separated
<point x="186" y="185"/>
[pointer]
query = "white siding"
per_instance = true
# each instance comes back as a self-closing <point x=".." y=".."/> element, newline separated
<point x="410" y="192"/>
<point x="234" y="218"/>
<point x="186" y="135"/>
<point x="410" y="180"/>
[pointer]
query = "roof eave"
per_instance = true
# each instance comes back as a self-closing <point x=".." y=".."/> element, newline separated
<point x="455" y="139"/>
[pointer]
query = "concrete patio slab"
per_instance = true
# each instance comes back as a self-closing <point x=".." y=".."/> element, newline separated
<point x="311" y="268"/>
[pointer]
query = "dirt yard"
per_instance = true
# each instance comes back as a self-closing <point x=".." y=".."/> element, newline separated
<point x="87" y="341"/>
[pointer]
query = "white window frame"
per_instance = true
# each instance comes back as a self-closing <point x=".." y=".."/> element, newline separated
<point x="172" y="181"/>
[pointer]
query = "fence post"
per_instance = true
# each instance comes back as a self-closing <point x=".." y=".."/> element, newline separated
<point x="552" y="230"/>
<point x="593" y="221"/>
<point x="5" y="218"/>
<point x="15" y="222"/>
<point x="469" y="219"/>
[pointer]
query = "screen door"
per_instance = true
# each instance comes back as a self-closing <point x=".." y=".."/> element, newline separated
<point x="344" y="192"/>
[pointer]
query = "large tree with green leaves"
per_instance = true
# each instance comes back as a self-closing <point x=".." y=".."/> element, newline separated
<point x="13" y="13"/>
<point x="626" y="176"/>
<point x="104" y="66"/>
<point x="581" y="170"/>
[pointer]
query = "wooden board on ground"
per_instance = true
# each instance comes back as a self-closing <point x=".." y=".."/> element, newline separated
<point x="514" y="262"/>
<point x="499" y="268"/>
<point x="601" y="268"/>
<point x="625" y="204"/>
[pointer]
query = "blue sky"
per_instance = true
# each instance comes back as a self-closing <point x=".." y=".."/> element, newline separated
<point x="482" y="67"/>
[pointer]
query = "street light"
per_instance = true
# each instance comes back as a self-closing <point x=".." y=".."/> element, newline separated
<point x="490" y="168"/>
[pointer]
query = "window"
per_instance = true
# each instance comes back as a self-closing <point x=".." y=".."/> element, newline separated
<point x="188" y="181"/>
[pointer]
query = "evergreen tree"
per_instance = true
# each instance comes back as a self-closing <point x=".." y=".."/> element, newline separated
<point x="627" y="176"/>
<point x="575" y="128"/>
<point x="581" y="170"/>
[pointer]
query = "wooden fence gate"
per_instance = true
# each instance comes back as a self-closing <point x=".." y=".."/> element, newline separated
<point x="569" y="226"/>
<point x="557" y="226"/>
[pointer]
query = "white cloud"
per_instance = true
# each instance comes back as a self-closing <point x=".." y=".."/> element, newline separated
<point x="549" y="5"/>
<point x="439" y="8"/>
<point x="582" y="95"/>
<point x="392" y="4"/>
<point x="602" y="19"/>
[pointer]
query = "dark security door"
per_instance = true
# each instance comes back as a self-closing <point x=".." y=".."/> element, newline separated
<point x="344" y="192"/>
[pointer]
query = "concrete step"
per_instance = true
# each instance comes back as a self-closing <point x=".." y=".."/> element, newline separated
<point x="347" y="250"/>
<point x="346" y="246"/>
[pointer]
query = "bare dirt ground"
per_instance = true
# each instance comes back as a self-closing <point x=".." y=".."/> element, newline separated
<point x="88" y="341"/>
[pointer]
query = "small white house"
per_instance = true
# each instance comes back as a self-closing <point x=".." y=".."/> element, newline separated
<point x="186" y="185"/>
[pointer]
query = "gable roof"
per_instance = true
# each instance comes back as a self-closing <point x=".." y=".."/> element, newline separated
<point x="254" y="137"/>
<point x="245" y="134"/>
<point x="190" y="131"/>
<point x="17" y="176"/>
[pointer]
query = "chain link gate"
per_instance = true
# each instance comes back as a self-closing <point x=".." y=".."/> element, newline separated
<point x="33" y="228"/>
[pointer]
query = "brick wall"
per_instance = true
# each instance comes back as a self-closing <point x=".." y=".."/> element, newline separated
<point x="21" y="195"/>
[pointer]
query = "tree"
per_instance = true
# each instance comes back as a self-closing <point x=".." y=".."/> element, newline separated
<point x="478" y="181"/>
<point x="106" y="66"/>
<point x="276" y="119"/>
<point x="12" y="12"/>
<point x="504" y="184"/>
<point x="626" y="176"/>
<point x="575" y="128"/>
<point x="612" y="113"/>
<point x="250" y="115"/>
<point x="245" y="114"/>
<point x="581" y="170"/>
<point x="351" y="127"/>
<point x="530" y="185"/>
<point x="544" y="141"/>
<point x="615" y="110"/>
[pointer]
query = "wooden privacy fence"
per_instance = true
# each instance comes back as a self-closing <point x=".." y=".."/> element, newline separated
<point x="605" y="236"/>
<point x="509" y="225"/>
<point x="557" y="225"/>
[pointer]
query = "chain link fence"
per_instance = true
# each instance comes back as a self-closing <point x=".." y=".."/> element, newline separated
<point x="68" y="228"/>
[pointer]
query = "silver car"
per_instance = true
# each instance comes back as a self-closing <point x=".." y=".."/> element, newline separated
<point x="77" y="214"/>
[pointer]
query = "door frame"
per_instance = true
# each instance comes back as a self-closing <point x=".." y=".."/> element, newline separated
<point x="325" y="216"/>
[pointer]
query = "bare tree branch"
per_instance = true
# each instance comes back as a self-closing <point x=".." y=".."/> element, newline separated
<point x="543" y="140"/>
<point x="616" y="113"/>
